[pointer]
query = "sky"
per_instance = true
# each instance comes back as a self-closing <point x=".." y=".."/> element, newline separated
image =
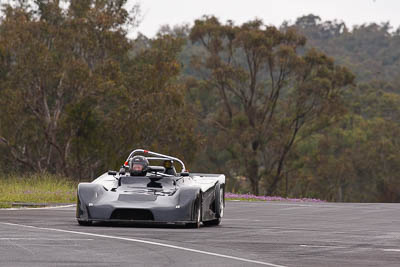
<point x="177" y="12"/>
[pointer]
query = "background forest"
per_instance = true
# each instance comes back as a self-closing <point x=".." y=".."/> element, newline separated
<point x="307" y="109"/>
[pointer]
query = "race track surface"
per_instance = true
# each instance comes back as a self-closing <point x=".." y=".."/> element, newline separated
<point x="251" y="234"/>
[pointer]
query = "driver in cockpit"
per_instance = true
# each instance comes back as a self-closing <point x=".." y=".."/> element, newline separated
<point x="138" y="166"/>
<point x="169" y="167"/>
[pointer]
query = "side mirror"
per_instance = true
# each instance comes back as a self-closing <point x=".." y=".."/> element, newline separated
<point x="112" y="173"/>
<point x="122" y="171"/>
<point x="184" y="174"/>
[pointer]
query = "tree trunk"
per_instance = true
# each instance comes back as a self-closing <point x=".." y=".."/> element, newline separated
<point x="254" y="186"/>
<point x="252" y="174"/>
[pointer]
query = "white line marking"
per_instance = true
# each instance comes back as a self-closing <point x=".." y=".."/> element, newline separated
<point x="391" y="250"/>
<point x="47" y="239"/>
<point x="149" y="243"/>
<point x="316" y="246"/>
<point x="21" y="247"/>
<point x="242" y="220"/>
<point x="276" y="203"/>
<point x="43" y="208"/>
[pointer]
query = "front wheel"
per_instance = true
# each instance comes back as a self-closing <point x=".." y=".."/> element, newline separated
<point x="219" y="207"/>
<point x="219" y="202"/>
<point x="197" y="215"/>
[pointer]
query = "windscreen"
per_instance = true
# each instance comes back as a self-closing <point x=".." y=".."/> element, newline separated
<point x="148" y="182"/>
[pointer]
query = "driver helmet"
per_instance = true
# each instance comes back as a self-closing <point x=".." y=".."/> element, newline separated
<point x="138" y="166"/>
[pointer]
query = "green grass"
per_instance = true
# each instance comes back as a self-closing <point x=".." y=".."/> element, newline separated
<point x="36" y="188"/>
<point x="5" y="205"/>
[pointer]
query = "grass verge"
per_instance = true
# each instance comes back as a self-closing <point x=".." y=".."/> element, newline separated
<point x="36" y="188"/>
<point x="48" y="188"/>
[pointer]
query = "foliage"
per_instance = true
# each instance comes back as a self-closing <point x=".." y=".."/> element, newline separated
<point x="357" y="160"/>
<point x="75" y="99"/>
<point x="275" y="109"/>
<point x="267" y="93"/>
<point x="370" y="50"/>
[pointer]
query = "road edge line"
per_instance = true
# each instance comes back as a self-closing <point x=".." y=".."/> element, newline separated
<point x="148" y="243"/>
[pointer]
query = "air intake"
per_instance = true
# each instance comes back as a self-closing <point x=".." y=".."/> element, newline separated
<point x="132" y="215"/>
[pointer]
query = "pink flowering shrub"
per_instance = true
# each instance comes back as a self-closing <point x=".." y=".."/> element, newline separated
<point x="269" y="198"/>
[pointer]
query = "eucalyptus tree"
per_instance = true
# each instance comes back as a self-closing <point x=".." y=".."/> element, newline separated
<point x="77" y="94"/>
<point x="270" y="91"/>
<point x="57" y="63"/>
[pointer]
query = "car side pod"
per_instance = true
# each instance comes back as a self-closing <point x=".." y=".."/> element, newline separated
<point x="191" y="197"/>
<point x="88" y="193"/>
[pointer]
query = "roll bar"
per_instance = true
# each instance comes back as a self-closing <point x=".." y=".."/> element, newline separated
<point x="157" y="156"/>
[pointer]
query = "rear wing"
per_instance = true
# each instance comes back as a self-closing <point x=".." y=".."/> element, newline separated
<point x="209" y="177"/>
<point x="154" y="156"/>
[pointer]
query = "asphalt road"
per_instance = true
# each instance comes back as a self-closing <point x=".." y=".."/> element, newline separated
<point x="251" y="234"/>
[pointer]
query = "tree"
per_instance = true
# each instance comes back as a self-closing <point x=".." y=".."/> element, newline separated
<point x="356" y="161"/>
<point x="369" y="50"/>
<point x="56" y="62"/>
<point x="154" y="112"/>
<point x="77" y="95"/>
<point x="268" y="93"/>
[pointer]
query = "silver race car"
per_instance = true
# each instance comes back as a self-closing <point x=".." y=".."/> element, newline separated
<point x="152" y="193"/>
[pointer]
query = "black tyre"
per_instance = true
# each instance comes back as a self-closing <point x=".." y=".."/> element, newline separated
<point x="84" y="223"/>
<point x="197" y="214"/>
<point x="219" y="201"/>
<point x="219" y="207"/>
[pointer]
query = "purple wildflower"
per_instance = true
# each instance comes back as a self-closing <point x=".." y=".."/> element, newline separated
<point x="269" y="198"/>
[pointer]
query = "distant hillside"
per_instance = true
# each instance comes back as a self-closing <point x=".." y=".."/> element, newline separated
<point x="371" y="51"/>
